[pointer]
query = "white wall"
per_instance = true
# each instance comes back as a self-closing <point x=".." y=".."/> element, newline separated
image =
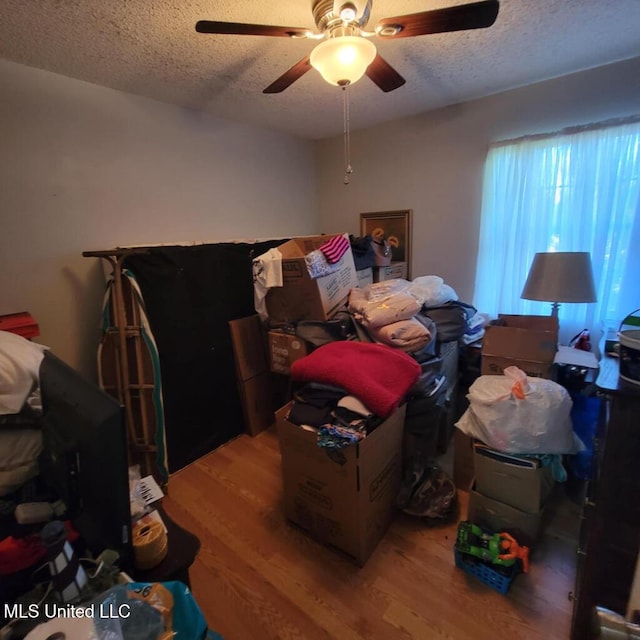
<point x="83" y="167"/>
<point x="433" y="163"/>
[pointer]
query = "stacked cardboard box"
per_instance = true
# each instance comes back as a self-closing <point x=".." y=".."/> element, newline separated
<point x="527" y="342"/>
<point x="365" y="277"/>
<point x="394" y="270"/>
<point x="305" y="298"/>
<point x="509" y="493"/>
<point x="284" y="349"/>
<point x="252" y="373"/>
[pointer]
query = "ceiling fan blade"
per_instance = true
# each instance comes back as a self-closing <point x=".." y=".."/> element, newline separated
<point x="384" y="75"/>
<point x="476" y="15"/>
<point x="241" y="29"/>
<point x="289" y="77"/>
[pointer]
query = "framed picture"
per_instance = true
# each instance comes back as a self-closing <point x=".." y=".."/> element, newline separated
<point x="393" y="226"/>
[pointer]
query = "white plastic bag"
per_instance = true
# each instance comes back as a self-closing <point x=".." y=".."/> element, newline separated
<point x="380" y="291"/>
<point x="431" y="291"/>
<point x="517" y="414"/>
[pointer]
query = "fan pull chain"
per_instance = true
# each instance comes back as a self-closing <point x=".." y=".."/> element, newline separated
<point x="348" y="170"/>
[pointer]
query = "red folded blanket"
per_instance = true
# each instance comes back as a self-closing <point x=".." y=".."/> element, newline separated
<point x="378" y="375"/>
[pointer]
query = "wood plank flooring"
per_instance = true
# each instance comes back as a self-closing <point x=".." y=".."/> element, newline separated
<point x="258" y="578"/>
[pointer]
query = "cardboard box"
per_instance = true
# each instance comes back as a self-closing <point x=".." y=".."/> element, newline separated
<point x="365" y="277"/>
<point x="394" y="270"/>
<point x="305" y="298"/>
<point x="248" y="346"/>
<point x="257" y="403"/>
<point x="517" y="482"/>
<point x="462" y="460"/>
<point x="252" y="374"/>
<point x="343" y="498"/>
<point x="527" y="342"/>
<point x="497" y="516"/>
<point x="284" y="349"/>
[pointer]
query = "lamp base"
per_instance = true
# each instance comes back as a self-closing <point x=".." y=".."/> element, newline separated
<point x="555" y="307"/>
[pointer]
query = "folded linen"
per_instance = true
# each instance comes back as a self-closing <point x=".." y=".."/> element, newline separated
<point x="408" y="335"/>
<point x="382" y="310"/>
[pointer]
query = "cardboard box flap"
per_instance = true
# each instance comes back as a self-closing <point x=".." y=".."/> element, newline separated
<point x="540" y="323"/>
<point x="521" y="344"/>
<point x="481" y="449"/>
<point x="300" y="247"/>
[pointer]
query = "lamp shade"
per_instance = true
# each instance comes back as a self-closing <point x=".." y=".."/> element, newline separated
<point x="563" y="276"/>
<point x="344" y="59"/>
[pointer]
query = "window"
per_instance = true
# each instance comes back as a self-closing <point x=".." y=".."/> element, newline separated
<point x="574" y="191"/>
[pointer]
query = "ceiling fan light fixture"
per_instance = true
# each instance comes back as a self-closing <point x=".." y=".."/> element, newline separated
<point x="344" y="59"/>
<point x="348" y="12"/>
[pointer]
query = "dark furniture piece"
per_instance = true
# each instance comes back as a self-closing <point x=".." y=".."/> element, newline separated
<point x="190" y="294"/>
<point x="610" y="529"/>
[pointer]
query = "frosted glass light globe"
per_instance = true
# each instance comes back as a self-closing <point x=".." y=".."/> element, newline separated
<point x="344" y="59"/>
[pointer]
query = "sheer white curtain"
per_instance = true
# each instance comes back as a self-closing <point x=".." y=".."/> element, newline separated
<point x="567" y="192"/>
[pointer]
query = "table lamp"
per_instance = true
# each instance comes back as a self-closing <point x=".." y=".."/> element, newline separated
<point x="562" y="276"/>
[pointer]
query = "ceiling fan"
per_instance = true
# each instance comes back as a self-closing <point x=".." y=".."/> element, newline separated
<point x="346" y="52"/>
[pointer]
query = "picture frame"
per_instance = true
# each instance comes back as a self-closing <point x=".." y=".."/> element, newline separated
<point x="394" y="226"/>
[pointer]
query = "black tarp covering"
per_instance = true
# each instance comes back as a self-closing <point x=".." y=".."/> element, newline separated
<point x="190" y="294"/>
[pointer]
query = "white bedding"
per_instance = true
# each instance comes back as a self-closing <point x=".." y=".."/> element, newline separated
<point x="19" y="370"/>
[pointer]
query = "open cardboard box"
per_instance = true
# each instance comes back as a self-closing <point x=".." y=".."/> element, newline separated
<point x="518" y="482"/>
<point x="527" y="342"/>
<point x="343" y="498"/>
<point x="305" y="298"/>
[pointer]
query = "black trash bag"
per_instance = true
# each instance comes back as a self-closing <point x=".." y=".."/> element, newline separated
<point x="321" y="332"/>
<point x="451" y="318"/>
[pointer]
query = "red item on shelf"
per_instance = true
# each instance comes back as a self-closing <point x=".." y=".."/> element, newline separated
<point x="21" y="323"/>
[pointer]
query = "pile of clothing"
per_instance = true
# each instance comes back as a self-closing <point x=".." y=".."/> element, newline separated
<point x="382" y="351"/>
<point x="347" y="388"/>
<point x="384" y="324"/>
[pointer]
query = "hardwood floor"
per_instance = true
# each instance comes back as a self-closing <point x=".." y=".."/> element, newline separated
<point x="257" y="577"/>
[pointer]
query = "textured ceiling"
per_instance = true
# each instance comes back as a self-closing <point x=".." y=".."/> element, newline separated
<point x="151" y="48"/>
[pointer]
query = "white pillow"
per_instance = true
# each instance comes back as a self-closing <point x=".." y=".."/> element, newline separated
<point x="19" y="370"/>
